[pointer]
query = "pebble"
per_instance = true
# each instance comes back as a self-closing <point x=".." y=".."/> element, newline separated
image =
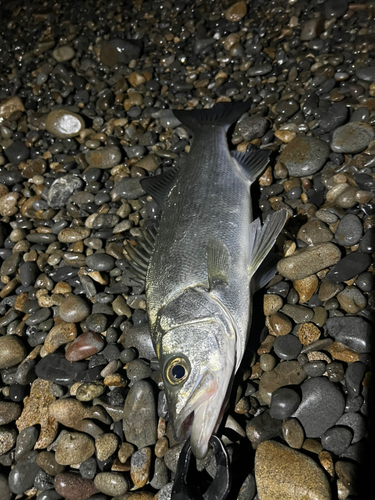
<point x="63" y="53"/>
<point x="68" y="411"/>
<point x="111" y="483"/>
<point x="9" y="412"/>
<point x="304" y="156"/>
<point x="22" y="476"/>
<point x="140" y="467"/>
<point x="321" y="406"/>
<point x="356" y="423"/>
<point x="367" y="74"/>
<point x="47" y="461"/>
<point x="349" y="267"/>
<point x="12" y="351"/>
<point x="337" y="439"/>
<point x="100" y="262"/>
<point x="17" y="152"/>
<point x="85" y="345"/>
<point x="349" y="231"/>
<point x="306" y="288"/>
<point x="263" y="427"/>
<point x="352" y="331"/>
<point x="118" y="50"/>
<point x="354" y="377"/>
<point x="7" y="439"/>
<point x="308" y="333"/>
<point x="279" y="324"/>
<point x="140" y="426"/>
<point x="352" y="137"/>
<point x="74" y="487"/>
<point x="64" y="124"/>
<point x="236" y="12"/>
<point x="5" y="493"/>
<point x="281" y="472"/>
<point x="314" y="232"/>
<point x="74" y="448"/>
<point x="59" y="335"/>
<point x="271" y="304"/>
<point x="299" y="314"/>
<point x="367" y="242"/>
<point x="287" y="347"/>
<point x="351" y="300"/>
<point x="293" y="433"/>
<point x="105" y="446"/>
<point x="59" y="370"/>
<point x="309" y="260"/>
<point x="104" y="158"/>
<point x="74" y="309"/>
<point x="26" y="441"/>
<point x="286" y="373"/>
<point x="284" y="402"/>
<point x="89" y="391"/>
<point x="62" y="189"/>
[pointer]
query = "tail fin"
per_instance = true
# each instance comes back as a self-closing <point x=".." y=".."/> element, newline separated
<point x="223" y="114"/>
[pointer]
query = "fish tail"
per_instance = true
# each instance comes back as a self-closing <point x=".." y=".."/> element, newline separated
<point x="223" y="114"/>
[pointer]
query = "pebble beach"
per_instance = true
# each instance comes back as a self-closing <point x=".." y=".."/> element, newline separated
<point x="87" y="91"/>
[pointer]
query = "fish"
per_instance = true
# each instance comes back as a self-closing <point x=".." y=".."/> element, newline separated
<point x="200" y="268"/>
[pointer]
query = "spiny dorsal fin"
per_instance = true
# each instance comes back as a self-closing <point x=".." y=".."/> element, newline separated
<point x="218" y="263"/>
<point x="139" y="256"/>
<point x="223" y="114"/>
<point x="159" y="186"/>
<point x="253" y="162"/>
<point x="262" y="238"/>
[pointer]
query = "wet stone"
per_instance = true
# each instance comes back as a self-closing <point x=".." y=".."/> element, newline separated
<point x="62" y="189"/>
<point x="26" y="440"/>
<point x="286" y="373"/>
<point x="89" y="390"/>
<point x="160" y="477"/>
<point x="100" y="262"/>
<point x="140" y="415"/>
<point x="74" y="309"/>
<point x="314" y="368"/>
<point x="138" y="370"/>
<point x="74" y="448"/>
<point x="314" y="232"/>
<point x="251" y="128"/>
<point x="59" y="370"/>
<point x="140" y="466"/>
<point x="356" y="423"/>
<point x="349" y="231"/>
<point x="293" y="433"/>
<point x="277" y="467"/>
<point x="118" y="50"/>
<point x="88" y="468"/>
<point x="353" y="137"/>
<point x="284" y="402"/>
<point x="64" y="124"/>
<point x="105" y="445"/>
<point x="104" y="158"/>
<point x="263" y="427"/>
<point x="9" y="412"/>
<point x="309" y="260"/>
<point x="337" y="439"/>
<point x="367" y="243"/>
<point x="321" y="406"/>
<point x="46" y="461"/>
<point x="17" y="152"/>
<point x="351" y="300"/>
<point x="5" y="493"/>
<point x="299" y="314"/>
<point x="22" y="476"/>
<point x="304" y="156"/>
<point x="74" y="487"/>
<point x="111" y="483"/>
<point x="7" y="439"/>
<point x="12" y="351"/>
<point x="85" y="345"/>
<point x="287" y="347"/>
<point x="353" y="378"/>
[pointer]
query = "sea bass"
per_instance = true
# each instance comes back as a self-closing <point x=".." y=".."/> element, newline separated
<point x="199" y="274"/>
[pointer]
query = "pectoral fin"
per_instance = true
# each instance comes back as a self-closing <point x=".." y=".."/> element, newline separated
<point x="253" y="162"/>
<point x="262" y="238"/>
<point x="218" y="263"/>
<point x="138" y="256"/>
<point x="160" y="186"/>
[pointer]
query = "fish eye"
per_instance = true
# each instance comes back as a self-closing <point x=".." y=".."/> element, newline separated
<point x="177" y="371"/>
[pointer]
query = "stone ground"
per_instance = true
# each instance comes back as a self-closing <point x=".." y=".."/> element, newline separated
<point x="86" y="93"/>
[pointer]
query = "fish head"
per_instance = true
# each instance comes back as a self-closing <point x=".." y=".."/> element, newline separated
<point x="198" y="362"/>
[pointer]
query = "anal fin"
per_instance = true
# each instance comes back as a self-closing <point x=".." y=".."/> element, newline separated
<point x="262" y="238"/>
<point x="253" y="162"/>
<point x="218" y="262"/>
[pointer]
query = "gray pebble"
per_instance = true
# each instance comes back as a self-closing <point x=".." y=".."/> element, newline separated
<point x="39" y="316"/>
<point x="348" y="267"/>
<point x="337" y="439"/>
<point x="17" y="152"/>
<point x="97" y="323"/>
<point x="367" y="74"/>
<point x="100" y="262"/>
<point x="88" y="468"/>
<point x="349" y="231"/>
<point x="352" y="331"/>
<point x="161" y="476"/>
<point x="263" y="427"/>
<point x="365" y="282"/>
<point x="137" y="370"/>
<point x="314" y="368"/>
<point x="354" y="377"/>
<point x="23" y="474"/>
<point x="353" y="404"/>
<point x="367" y="243"/>
<point x="284" y="402"/>
<point x="5" y="493"/>
<point x="7" y="439"/>
<point x="299" y="314"/>
<point x="26" y="440"/>
<point x="129" y="188"/>
<point x="321" y="406"/>
<point x="356" y="422"/>
<point x="287" y="346"/>
<point x="48" y="495"/>
<point x="353" y="137"/>
<point x="252" y="128"/>
<point x="62" y="189"/>
<point x="304" y="156"/>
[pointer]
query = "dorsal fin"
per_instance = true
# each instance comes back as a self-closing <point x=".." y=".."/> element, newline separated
<point x="159" y="186"/>
<point x="139" y="256"/>
<point x="253" y="162"/>
<point x="218" y="263"/>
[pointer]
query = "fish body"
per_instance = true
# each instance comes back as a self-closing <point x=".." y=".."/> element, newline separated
<point x="198" y="283"/>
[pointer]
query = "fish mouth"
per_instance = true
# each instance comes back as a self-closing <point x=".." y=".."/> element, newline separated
<point x="201" y="415"/>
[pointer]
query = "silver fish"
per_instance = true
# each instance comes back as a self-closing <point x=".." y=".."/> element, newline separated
<point x="199" y="276"/>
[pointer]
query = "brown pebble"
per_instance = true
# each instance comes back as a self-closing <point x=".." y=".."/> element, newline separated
<point x="71" y="235"/>
<point x="326" y="460"/>
<point x="312" y="445"/>
<point x="61" y="334"/>
<point x="266" y="179"/>
<point x="306" y="288"/>
<point x="74" y="448"/>
<point x="9" y="412"/>
<point x="271" y="304"/>
<point x="266" y="346"/>
<point x="279" y="324"/>
<point x="136" y="78"/>
<point x="74" y="487"/>
<point x="68" y="411"/>
<point x="46" y="460"/>
<point x="328" y="290"/>
<point x="88" y="391"/>
<point x="236" y="12"/>
<point x="36" y="412"/>
<point x="84" y="345"/>
<point x="343" y="353"/>
<point x="308" y="333"/>
<point x="12" y="351"/>
<point x="125" y="452"/>
<point x="140" y="466"/>
<point x="293" y="433"/>
<point x="161" y="447"/>
<point x="8" y="204"/>
<point x="283" y="473"/>
<point x="105" y="445"/>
